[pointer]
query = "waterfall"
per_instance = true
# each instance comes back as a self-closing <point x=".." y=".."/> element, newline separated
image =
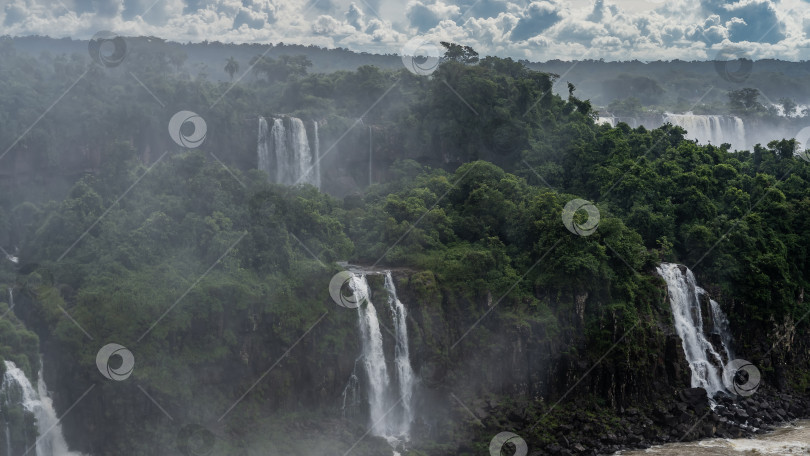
<point x="317" y="156"/>
<point x="386" y="392"/>
<point x="703" y="128"/>
<point x="722" y="327"/>
<point x="301" y="154"/>
<point x="373" y="357"/>
<point x="714" y="129"/>
<point x="287" y="150"/>
<point x="402" y="359"/>
<point x="705" y="362"/>
<point x="279" y="135"/>
<point x="17" y="390"/>
<point x="350" y="396"/>
<point x="8" y="440"/>
<point x="263" y="151"/>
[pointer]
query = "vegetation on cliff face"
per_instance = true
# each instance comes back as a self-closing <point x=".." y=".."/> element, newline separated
<point x="210" y="276"/>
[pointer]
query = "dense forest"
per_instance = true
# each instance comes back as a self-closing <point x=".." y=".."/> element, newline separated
<point x="217" y="279"/>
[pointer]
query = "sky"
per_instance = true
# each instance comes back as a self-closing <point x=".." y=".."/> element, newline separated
<point x="542" y="30"/>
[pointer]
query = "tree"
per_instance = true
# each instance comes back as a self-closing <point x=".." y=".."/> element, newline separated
<point x="745" y="101"/>
<point x="788" y="106"/>
<point x="459" y="53"/>
<point x="629" y="107"/>
<point x="785" y="148"/>
<point x="231" y="67"/>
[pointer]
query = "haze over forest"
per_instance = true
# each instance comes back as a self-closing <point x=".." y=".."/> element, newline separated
<point x="435" y="228"/>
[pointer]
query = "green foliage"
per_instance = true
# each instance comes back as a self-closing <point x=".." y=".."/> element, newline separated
<point x="214" y="276"/>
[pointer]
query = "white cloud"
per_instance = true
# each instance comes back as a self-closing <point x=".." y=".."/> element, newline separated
<point x="532" y="29"/>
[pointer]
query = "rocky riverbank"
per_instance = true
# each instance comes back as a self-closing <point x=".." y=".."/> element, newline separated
<point x="684" y="418"/>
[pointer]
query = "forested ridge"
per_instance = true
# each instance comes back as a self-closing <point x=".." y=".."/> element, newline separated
<point x="209" y="273"/>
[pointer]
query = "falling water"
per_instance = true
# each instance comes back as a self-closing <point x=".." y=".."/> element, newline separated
<point x="301" y="154"/>
<point x="263" y="151"/>
<point x="402" y="359"/>
<point x="684" y="298"/>
<point x="373" y="357"/>
<point x="287" y="150"/>
<point x="279" y="136"/>
<point x="385" y="391"/>
<point x="703" y="128"/>
<point x="722" y="327"/>
<point x="316" y="171"/>
<point x="714" y="129"/>
<point x="8" y="440"/>
<point x="51" y="441"/>
<point x="350" y="396"/>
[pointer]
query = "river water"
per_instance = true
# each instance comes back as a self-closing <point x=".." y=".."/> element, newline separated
<point x="786" y="440"/>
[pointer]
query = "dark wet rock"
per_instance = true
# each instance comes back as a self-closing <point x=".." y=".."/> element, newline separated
<point x="696" y="398"/>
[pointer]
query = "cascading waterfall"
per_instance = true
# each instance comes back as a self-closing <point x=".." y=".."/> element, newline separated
<point x="263" y="151"/>
<point x="285" y="152"/>
<point x="8" y="440"/>
<point x="316" y="158"/>
<point x="389" y="396"/>
<point x="283" y="162"/>
<point x="723" y="328"/>
<point x="402" y="359"/>
<point x="704" y="360"/>
<point x="350" y="396"/>
<point x="714" y="129"/>
<point x="17" y="390"/>
<point x="373" y="357"/>
<point x="301" y="153"/>
<point x="703" y="128"/>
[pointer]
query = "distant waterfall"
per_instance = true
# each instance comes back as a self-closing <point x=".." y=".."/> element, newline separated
<point x="16" y="390"/>
<point x="285" y="152"/>
<point x="389" y="396"/>
<point x="705" y="361"/>
<point x="263" y="150"/>
<point x="316" y="158"/>
<point x="714" y="129"/>
<point x="703" y="128"/>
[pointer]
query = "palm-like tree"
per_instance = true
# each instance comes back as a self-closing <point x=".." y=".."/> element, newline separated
<point x="231" y="67"/>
